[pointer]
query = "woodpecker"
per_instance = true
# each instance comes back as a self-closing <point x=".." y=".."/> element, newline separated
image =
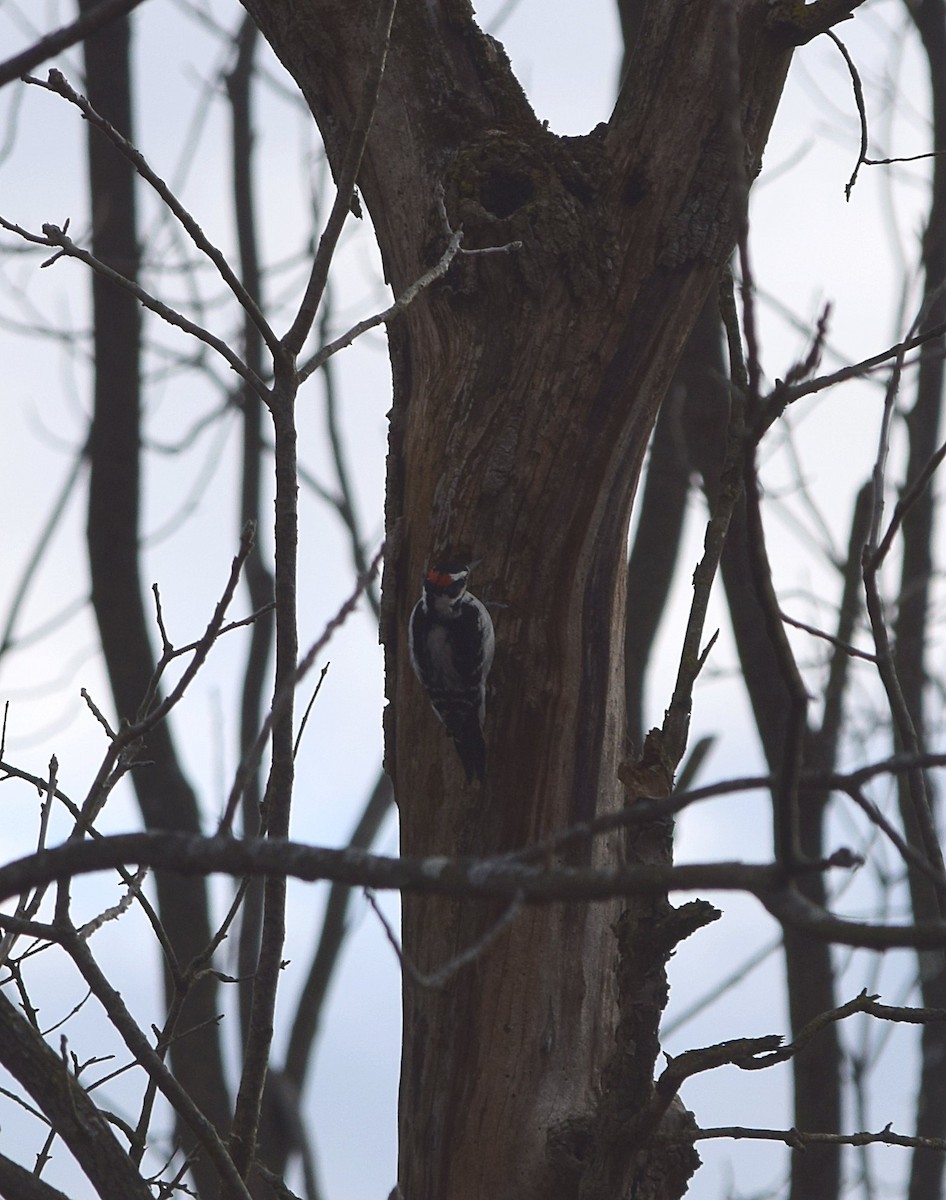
<point x="451" y="643"/>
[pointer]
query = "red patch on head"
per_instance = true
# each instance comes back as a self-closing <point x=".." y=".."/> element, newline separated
<point x="440" y="579"/>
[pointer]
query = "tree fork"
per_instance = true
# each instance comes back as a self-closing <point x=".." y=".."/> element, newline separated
<point x="525" y="389"/>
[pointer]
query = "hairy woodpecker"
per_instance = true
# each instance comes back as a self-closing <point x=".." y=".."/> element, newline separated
<point x="451" y="642"/>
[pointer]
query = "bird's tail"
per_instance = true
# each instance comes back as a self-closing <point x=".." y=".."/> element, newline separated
<point x="472" y="750"/>
<point x="461" y="716"/>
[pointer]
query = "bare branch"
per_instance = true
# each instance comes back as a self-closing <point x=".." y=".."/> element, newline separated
<point x="252" y="756"/>
<point x="754" y="1054"/>
<point x="677" y="718"/>
<point x="151" y="1060"/>
<point x="407" y="297"/>
<point x="919" y="801"/>
<point x="54" y="236"/>
<point x="796" y="1139"/>
<point x="68" y="1108"/>
<point x="438" y="978"/>
<point x="491" y="878"/>
<point x="292" y="342"/>
<point x="897" y="351"/>
<point x="861" y="111"/>
<point x="844" y="647"/>
<point x="64" y="37"/>
<point x="58" y="83"/>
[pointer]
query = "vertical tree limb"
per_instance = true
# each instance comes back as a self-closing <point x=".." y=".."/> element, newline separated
<point x="258" y="577"/>
<point x="911" y="627"/>
<point x="277" y="800"/>
<point x="114" y="449"/>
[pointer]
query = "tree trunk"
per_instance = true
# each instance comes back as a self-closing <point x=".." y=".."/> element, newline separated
<point x="526" y="386"/>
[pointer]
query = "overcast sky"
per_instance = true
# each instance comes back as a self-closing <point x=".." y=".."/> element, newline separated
<point x="809" y="246"/>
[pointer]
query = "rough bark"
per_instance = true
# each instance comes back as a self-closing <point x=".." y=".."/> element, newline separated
<point x="525" y="391"/>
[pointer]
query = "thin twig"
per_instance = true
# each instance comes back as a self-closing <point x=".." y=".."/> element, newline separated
<point x="97" y="713"/>
<point x="55" y="236"/>
<point x="797" y="1139"/>
<point x="897" y="351"/>
<point x="345" y="503"/>
<point x="112" y="913"/>
<point x="406" y="298"/>
<point x="42" y="544"/>
<point x="58" y="83"/>
<point x="254" y="753"/>
<point x="910" y="855"/>
<point x="28" y="907"/>
<point x="437" y="979"/>
<point x="347" y="176"/>
<point x="785" y="792"/>
<point x="152" y="715"/>
<point x="845" y="647"/>
<point x="677" y="718"/>
<point x="908" y="499"/>
<point x="903" y="158"/>
<point x="138" y="1044"/>
<point x="754" y="1054"/>
<point x="903" y="721"/>
<point x="308" y="709"/>
<point x="861" y="110"/>
<point x="410" y="293"/>
<point x="242" y="623"/>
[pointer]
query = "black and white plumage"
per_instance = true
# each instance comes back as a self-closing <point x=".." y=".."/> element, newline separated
<point x="451" y="644"/>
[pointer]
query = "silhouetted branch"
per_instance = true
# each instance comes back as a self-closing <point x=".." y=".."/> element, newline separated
<point x="58" y="83"/>
<point x="797" y="1139"/>
<point x="43" y="542"/>
<point x="490" y="878"/>
<point x="252" y="756"/>
<point x="444" y="973"/>
<point x="292" y="342"/>
<point x="54" y="236"/>
<point x="64" y="37"/>
<point x="83" y="1128"/>
<point x="145" y="1054"/>
<point x="307" y="1018"/>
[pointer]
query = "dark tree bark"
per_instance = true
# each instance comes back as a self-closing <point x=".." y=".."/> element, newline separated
<point x="164" y="795"/>
<point x="911" y="629"/>
<point x="258" y="577"/>
<point x="816" y="1173"/>
<point x="69" y="1110"/>
<point x="525" y="391"/>
<point x="689" y="439"/>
